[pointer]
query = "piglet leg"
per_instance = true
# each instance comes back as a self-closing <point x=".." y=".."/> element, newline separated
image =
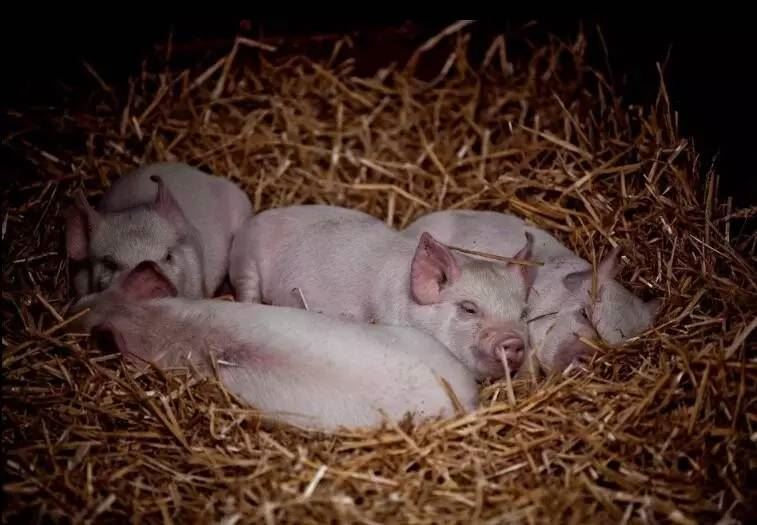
<point x="246" y="282"/>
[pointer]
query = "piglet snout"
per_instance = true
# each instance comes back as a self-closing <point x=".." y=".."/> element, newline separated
<point x="512" y="349"/>
<point x="509" y="345"/>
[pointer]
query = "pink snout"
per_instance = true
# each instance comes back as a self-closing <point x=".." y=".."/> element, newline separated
<point x="513" y="349"/>
<point x="500" y="345"/>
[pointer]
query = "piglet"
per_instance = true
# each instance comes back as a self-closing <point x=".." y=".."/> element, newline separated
<point x="177" y="216"/>
<point x="562" y="309"/>
<point x="295" y="366"/>
<point x="352" y="266"/>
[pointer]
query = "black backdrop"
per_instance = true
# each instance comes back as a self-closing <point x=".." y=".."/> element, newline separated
<point x="710" y="74"/>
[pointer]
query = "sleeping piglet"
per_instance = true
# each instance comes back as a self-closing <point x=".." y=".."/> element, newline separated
<point x="353" y="266"/>
<point x="170" y="213"/>
<point x="562" y="309"/>
<point x="295" y="366"/>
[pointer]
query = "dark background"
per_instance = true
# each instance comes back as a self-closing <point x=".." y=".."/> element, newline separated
<point x="709" y="71"/>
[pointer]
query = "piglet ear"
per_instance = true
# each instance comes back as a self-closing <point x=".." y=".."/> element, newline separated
<point x="608" y="268"/>
<point x="165" y="204"/>
<point x="146" y="281"/>
<point x="528" y="272"/>
<point x="576" y="280"/>
<point x="81" y="221"/>
<point x="606" y="271"/>
<point x="433" y="268"/>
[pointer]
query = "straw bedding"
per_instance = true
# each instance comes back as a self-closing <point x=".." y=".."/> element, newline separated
<point x="659" y="430"/>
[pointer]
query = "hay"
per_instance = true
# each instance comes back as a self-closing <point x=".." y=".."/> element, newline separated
<point x="659" y="430"/>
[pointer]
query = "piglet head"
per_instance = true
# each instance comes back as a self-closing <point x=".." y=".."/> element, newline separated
<point x="616" y="313"/>
<point x="558" y="338"/>
<point x="475" y="307"/>
<point x="158" y="232"/>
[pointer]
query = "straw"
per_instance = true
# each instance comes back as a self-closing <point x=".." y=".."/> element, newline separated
<point x="661" y="429"/>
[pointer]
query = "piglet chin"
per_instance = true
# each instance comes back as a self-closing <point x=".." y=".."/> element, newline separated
<point x="491" y="365"/>
<point x="509" y="364"/>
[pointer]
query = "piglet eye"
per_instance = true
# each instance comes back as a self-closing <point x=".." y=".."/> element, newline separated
<point x="168" y="258"/>
<point x="468" y="307"/>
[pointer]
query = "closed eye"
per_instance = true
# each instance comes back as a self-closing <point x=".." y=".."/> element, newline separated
<point x="468" y="307"/>
<point x="541" y="316"/>
<point x="170" y="255"/>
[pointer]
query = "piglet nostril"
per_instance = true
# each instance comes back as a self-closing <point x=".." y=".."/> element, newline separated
<point x="519" y="350"/>
<point x="515" y="345"/>
<point x="513" y="349"/>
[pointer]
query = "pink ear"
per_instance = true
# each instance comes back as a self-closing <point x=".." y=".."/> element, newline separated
<point x="433" y="268"/>
<point x="166" y="205"/>
<point x="81" y="221"/>
<point x="608" y="268"/>
<point x="574" y="281"/>
<point x="146" y="281"/>
<point x="527" y="272"/>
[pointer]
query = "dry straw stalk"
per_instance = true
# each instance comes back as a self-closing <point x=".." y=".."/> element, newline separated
<point x="659" y="430"/>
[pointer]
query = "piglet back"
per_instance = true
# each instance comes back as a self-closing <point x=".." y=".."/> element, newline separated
<point x="295" y="366"/>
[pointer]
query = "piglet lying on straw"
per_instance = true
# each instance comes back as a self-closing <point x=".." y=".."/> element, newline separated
<point x="295" y="366"/>
<point x="350" y="265"/>
<point x="562" y="308"/>
<point x="169" y="213"/>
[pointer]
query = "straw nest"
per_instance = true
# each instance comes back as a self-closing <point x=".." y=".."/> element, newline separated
<point x="659" y="430"/>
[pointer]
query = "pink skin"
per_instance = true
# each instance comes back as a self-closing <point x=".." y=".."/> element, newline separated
<point x="561" y="343"/>
<point x="616" y="313"/>
<point x="561" y="285"/>
<point x="349" y="265"/>
<point x="169" y="213"/>
<point x="116" y="242"/>
<point x="501" y="342"/>
<point x="293" y="366"/>
<point x="433" y="263"/>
